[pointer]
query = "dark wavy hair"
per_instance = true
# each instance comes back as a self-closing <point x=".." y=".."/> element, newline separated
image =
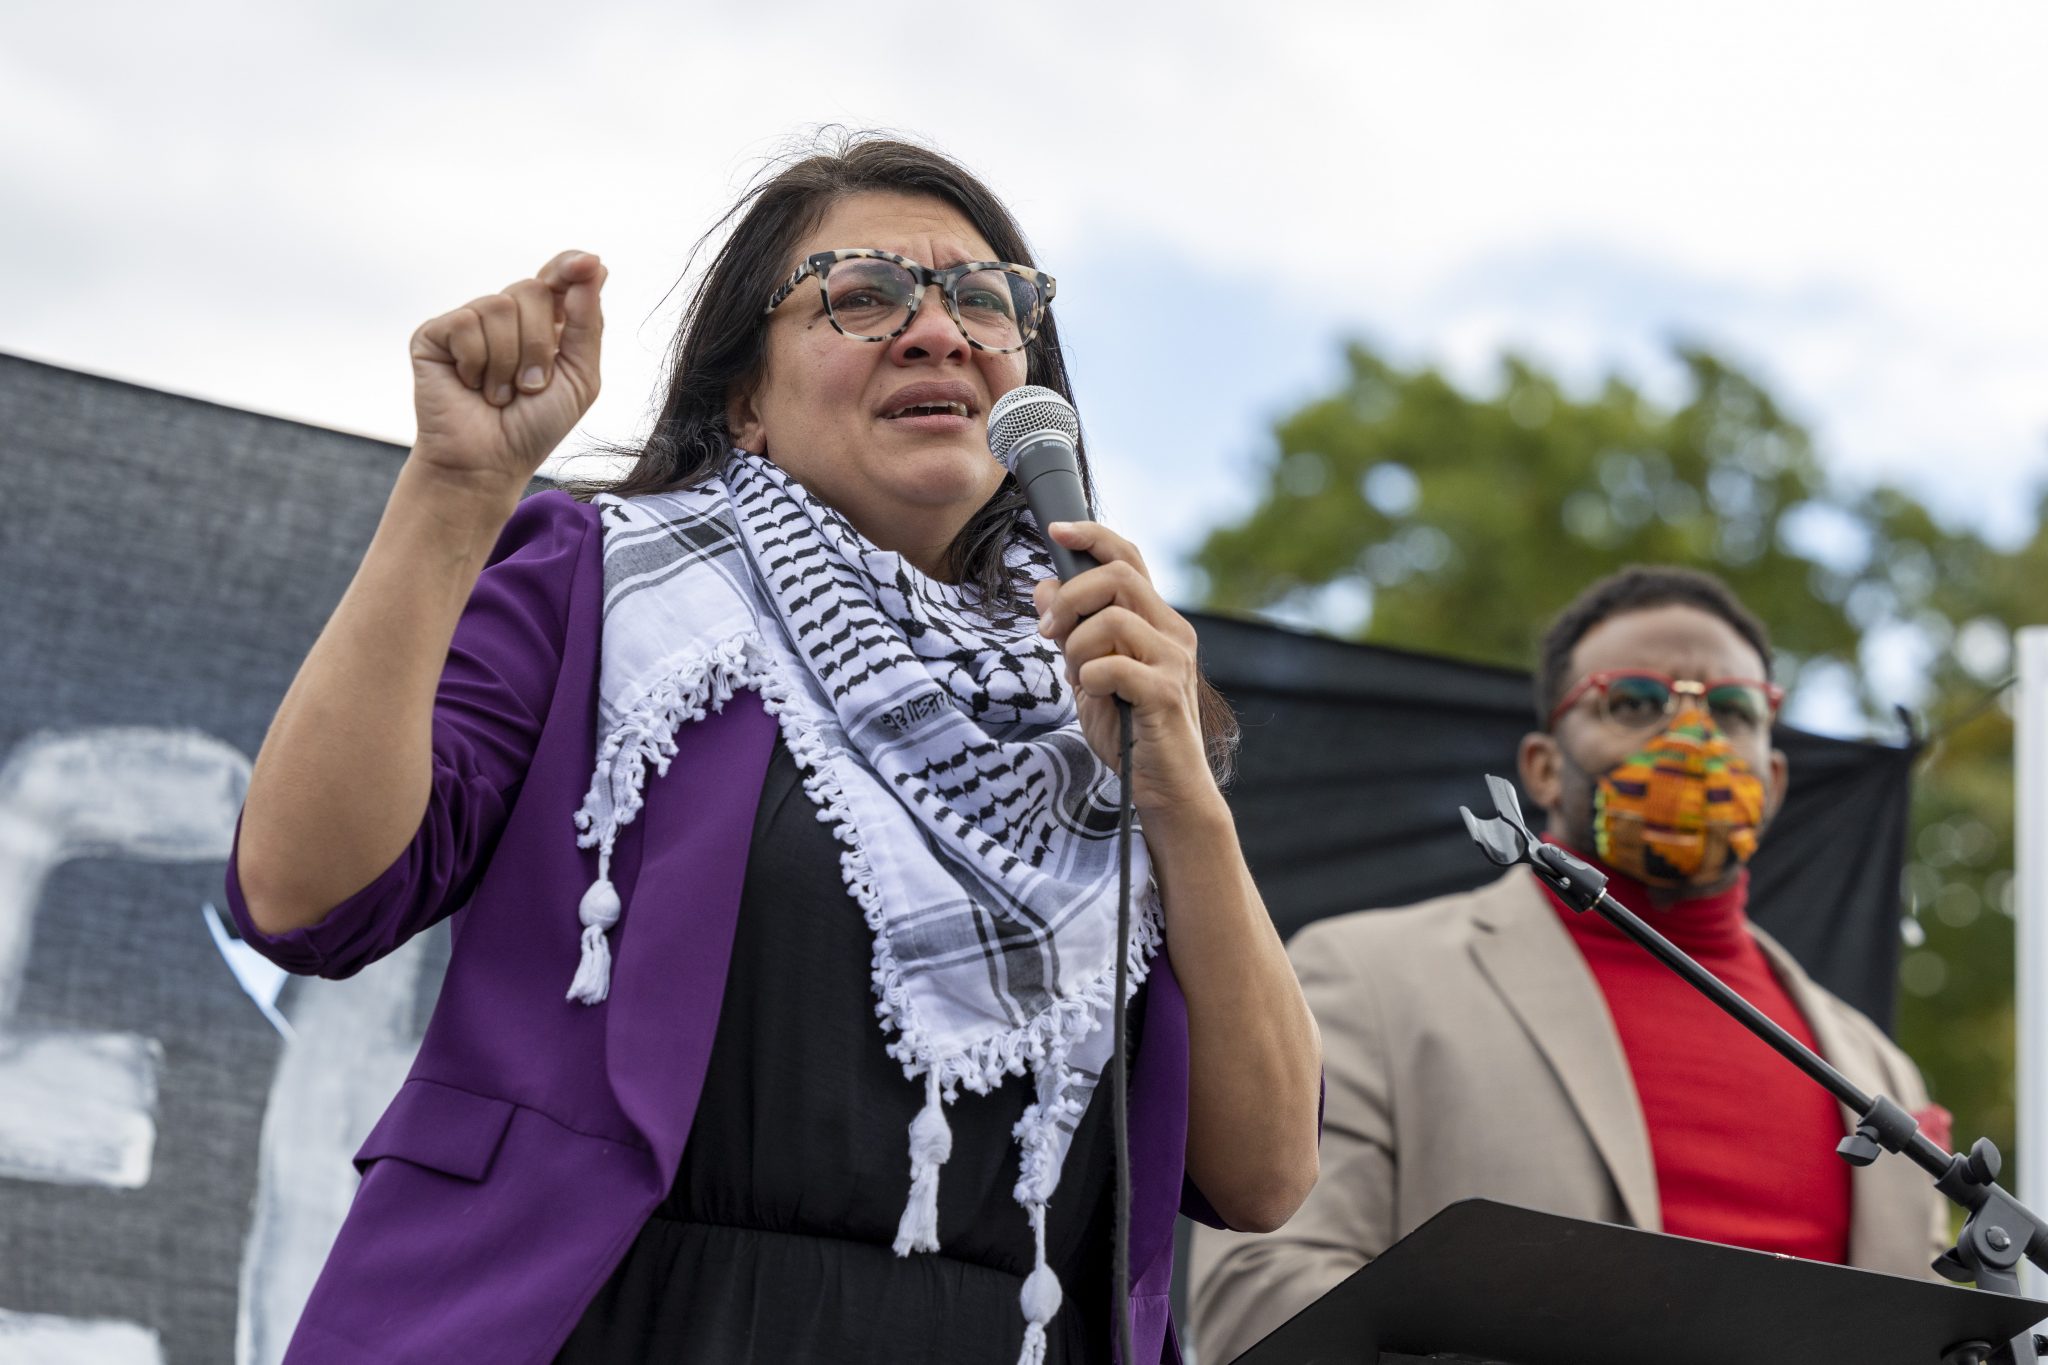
<point x="722" y="343"/>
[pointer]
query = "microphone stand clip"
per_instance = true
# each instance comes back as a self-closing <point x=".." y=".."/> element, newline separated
<point x="1999" y="1231"/>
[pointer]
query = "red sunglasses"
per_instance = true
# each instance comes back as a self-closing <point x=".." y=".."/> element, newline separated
<point x="1639" y="698"/>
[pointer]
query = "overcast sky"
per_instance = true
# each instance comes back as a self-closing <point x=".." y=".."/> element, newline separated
<point x="256" y="204"/>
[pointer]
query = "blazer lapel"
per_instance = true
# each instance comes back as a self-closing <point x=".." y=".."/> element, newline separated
<point x="1158" y="1128"/>
<point x="1529" y="958"/>
<point x="674" y="941"/>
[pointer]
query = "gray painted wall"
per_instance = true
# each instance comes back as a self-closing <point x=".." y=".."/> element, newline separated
<point x="164" y="564"/>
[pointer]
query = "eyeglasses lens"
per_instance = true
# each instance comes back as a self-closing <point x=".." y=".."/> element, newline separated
<point x="1737" y="708"/>
<point x="998" y="308"/>
<point x="1634" y="700"/>
<point x="869" y="299"/>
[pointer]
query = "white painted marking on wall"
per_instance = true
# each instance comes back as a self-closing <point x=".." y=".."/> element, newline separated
<point x="75" y="1107"/>
<point x="354" y="1043"/>
<point x="85" y="1103"/>
<point x="78" y="1108"/>
<point x="44" y="1339"/>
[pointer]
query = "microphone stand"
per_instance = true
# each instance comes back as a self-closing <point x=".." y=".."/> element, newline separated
<point x="1999" y="1230"/>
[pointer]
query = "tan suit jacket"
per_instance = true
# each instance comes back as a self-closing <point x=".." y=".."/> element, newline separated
<point x="1468" y="1052"/>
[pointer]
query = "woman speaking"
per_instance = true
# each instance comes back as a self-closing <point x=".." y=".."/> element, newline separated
<point x="775" y="788"/>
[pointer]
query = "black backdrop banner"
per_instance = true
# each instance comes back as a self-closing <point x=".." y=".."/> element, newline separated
<point x="176" y="1119"/>
<point x="1357" y="757"/>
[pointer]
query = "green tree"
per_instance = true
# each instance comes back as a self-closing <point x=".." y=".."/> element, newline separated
<point x="1470" y="519"/>
<point x="1458" y="523"/>
<point x="1957" y="1008"/>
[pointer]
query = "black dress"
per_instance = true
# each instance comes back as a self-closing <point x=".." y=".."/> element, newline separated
<point x="774" y="1243"/>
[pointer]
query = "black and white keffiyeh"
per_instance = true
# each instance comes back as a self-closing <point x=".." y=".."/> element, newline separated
<point x="940" y="741"/>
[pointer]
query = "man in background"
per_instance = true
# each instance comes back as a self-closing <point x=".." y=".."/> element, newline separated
<point x="1497" y="1044"/>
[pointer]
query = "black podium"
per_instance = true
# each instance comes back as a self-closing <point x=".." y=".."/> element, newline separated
<point x="1490" y="1284"/>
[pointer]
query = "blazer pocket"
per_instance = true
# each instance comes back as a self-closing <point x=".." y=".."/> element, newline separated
<point x="441" y="1128"/>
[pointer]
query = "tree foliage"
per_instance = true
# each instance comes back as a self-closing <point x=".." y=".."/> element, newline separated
<point x="1402" y="509"/>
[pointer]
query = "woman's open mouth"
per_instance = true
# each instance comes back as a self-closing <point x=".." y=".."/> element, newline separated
<point x="946" y="407"/>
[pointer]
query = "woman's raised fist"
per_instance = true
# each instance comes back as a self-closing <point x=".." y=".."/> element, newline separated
<point x="498" y="382"/>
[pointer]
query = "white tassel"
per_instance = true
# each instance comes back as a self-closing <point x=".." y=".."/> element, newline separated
<point x="1040" y="1297"/>
<point x="599" y="912"/>
<point x="931" y="1143"/>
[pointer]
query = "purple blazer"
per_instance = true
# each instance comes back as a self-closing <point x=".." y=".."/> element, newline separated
<point x="533" y="1136"/>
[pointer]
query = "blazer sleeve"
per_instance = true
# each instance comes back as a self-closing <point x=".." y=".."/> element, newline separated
<point x="489" y="707"/>
<point x="1909" y="1089"/>
<point x="1243" y="1285"/>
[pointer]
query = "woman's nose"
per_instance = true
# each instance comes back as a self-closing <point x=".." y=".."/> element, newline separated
<point x="932" y="333"/>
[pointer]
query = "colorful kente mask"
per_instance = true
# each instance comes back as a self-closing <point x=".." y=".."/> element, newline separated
<point x="1682" y="810"/>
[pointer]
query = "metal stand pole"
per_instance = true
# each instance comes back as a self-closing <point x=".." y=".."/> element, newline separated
<point x="2030" y="959"/>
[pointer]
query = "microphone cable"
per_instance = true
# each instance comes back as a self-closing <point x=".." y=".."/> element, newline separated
<point x="1035" y="434"/>
<point x="1119" y="1063"/>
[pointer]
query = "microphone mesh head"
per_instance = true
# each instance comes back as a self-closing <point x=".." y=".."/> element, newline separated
<point x="1027" y="411"/>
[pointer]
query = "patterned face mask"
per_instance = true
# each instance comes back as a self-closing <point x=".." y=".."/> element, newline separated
<point x="1682" y="811"/>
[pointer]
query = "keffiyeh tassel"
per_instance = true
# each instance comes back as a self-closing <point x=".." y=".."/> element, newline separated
<point x="599" y="911"/>
<point x="931" y="1143"/>
<point x="1040" y="1296"/>
<point x="643" y="737"/>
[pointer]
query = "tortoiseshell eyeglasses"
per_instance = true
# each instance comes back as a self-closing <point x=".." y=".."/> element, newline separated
<point x="873" y="295"/>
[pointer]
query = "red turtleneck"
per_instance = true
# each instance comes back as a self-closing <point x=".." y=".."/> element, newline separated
<point x="1743" y="1143"/>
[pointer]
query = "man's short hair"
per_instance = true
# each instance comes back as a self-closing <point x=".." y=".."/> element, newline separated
<point x="1636" y="588"/>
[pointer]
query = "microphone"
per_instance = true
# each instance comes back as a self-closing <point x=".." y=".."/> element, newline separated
<point x="1035" y="433"/>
